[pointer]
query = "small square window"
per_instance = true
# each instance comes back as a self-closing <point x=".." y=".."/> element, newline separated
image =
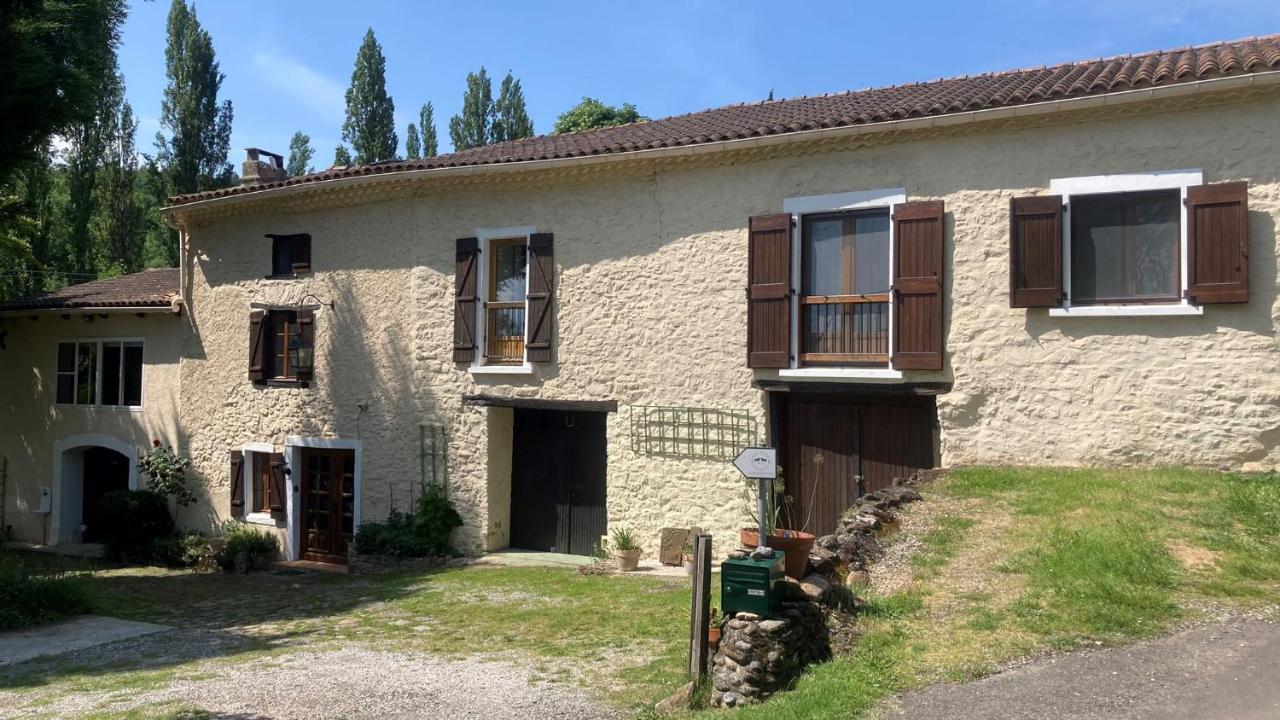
<point x="290" y="254"/>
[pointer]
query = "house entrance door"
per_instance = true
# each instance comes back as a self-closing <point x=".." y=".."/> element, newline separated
<point x="328" y="503"/>
<point x="558" y="481"/>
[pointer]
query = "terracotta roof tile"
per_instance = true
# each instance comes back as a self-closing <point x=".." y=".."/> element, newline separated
<point x="862" y="107"/>
<point x="149" y="288"/>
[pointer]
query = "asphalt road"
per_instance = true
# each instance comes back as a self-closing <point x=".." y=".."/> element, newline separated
<point x="1228" y="670"/>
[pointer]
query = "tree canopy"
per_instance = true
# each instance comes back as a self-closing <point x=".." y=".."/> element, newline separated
<point x="591" y="113"/>
<point x="300" y="154"/>
<point x="510" y="118"/>
<point x="471" y="127"/>
<point x="427" y="126"/>
<point x="194" y="154"/>
<point x="370" y="125"/>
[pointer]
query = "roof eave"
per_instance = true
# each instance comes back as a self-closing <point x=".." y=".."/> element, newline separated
<point x="174" y="307"/>
<point x="1125" y="97"/>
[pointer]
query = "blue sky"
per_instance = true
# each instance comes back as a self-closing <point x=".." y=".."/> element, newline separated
<point x="288" y="62"/>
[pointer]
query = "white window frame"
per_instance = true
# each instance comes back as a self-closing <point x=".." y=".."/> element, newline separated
<point x="1129" y="182"/>
<point x="485" y="236"/>
<point x="97" y="390"/>
<point x="246" y="484"/>
<point x="797" y="208"/>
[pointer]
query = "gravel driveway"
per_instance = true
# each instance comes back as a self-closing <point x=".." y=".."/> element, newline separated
<point x="1220" y="670"/>
<point x="347" y="682"/>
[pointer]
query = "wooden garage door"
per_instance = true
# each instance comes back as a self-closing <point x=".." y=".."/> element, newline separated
<point x="835" y="449"/>
<point x="558" y="481"/>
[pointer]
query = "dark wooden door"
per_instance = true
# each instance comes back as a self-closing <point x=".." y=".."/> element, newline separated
<point x="558" y="481"/>
<point x="835" y="449"/>
<point x="105" y="470"/>
<point x="328" y="503"/>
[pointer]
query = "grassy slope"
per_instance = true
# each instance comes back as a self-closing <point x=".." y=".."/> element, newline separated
<point x="1052" y="559"/>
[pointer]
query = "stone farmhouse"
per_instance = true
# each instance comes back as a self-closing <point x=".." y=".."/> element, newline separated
<point x="1070" y="265"/>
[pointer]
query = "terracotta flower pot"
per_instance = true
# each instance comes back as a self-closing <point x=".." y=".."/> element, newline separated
<point x="628" y="560"/>
<point x="713" y="637"/>
<point x="794" y="544"/>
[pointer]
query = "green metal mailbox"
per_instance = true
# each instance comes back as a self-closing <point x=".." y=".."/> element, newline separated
<point x="753" y="586"/>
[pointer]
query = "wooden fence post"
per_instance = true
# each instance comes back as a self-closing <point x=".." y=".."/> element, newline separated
<point x="700" y="615"/>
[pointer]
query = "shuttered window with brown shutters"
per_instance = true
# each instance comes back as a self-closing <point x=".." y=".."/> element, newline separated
<point x="237" y="484"/>
<point x="769" y="291"/>
<point x="465" y="299"/>
<point x="917" y="285"/>
<point x="1035" y="251"/>
<point x="258" y="343"/>
<point x="276" y="503"/>
<point x="1218" y="243"/>
<point x="541" y="297"/>
<point x="282" y="346"/>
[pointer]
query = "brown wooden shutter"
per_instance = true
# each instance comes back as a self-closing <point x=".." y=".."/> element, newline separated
<point x="258" y="329"/>
<point x="278" y="503"/>
<point x="542" y="273"/>
<point x="917" y="285"/>
<point x="769" y="291"/>
<point x="237" y="484"/>
<point x="307" y="339"/>
<point x="301" y="253"/>
<point x="1035" y="251"/>
<point x="1218" y="243"/>
<point x="464" y="301"/>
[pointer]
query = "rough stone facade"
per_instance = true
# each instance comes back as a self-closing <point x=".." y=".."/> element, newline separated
<point x="761" y="656"/>
<point x="651" y="265"/>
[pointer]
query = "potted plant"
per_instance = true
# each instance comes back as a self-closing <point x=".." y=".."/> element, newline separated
<point x="794" y="544"/>
<point x="626" y="549"/>
<point x="686" y="555"/>
<point x="713" y="630"/>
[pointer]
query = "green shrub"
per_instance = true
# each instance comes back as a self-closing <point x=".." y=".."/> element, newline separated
<point x="425" y="533"/>
<point x="28" y="599"/>
<point x="185" y="550"/>
<point x="132" y="521"/>
<point x="257" y="548"/>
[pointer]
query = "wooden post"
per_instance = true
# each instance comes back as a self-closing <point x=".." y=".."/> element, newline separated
<point x="700" y="615"/>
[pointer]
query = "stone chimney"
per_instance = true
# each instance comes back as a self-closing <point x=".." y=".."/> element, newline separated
<point x="261" y="166"/>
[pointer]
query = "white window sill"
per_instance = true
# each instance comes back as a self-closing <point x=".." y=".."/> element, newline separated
<point x="261" y="519"/>
<point x="111" y="408"/>
<point x="1126" y="310"/>
<point x="840" y="374"/>
<point x="501" y="370"/>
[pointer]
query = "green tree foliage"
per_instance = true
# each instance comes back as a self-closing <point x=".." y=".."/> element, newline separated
<point x="300" y="154"/>
<point x="194" y="154"/>
<point x="591" y="113"/>
<point x="510" y="118"/>
<point x="412" y="144"/>
<point x="121" y="223"/>
<point x="427" y="125"/>
<point x="53" y="56"/>
<point x="87" y="143"/>
<point x="472" y="127"/>
<point x="341" y="156"/>
<point x="370" y="124"/>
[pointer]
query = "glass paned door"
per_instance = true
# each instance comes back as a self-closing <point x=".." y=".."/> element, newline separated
<point x="328" y="502"/>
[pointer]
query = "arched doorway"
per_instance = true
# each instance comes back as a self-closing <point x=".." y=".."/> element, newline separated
<point x="85" y="468"/>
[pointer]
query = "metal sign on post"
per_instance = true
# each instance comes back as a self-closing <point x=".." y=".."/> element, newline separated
<point x="761" y="464"/>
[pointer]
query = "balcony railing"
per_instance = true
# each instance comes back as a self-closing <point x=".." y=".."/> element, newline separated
<point x="504" y="339"/>
<point x="844" y="329"/>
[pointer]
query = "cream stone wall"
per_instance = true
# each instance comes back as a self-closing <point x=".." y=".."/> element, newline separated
<point x="32" y="423"/>
<point x="650" y="310"/>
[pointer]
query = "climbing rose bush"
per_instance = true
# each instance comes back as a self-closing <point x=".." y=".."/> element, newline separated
<point x="166" y="473"/>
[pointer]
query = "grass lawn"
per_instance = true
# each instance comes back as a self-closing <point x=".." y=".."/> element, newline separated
<point x="1022" y="561"/>
<point x="1012" y="562"/>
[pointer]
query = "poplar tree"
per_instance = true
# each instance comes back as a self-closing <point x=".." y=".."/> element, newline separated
<point x="300" y="154"/>
<point x="122" y="220"/>
<point x="370" y="125"/>
<point x="510" y="118"/>
<point x="412" y="145"/>
<point x="472" y="127"/>
<point x="341" y="156"/>
<point x="194" y="154"/>
<point x="427" y="125"/>
<point x="86" y="146"/>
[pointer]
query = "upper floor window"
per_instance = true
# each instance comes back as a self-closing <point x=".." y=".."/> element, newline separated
<point x="1125" y="248"/>
<point x="290" y="254"/>
<point x="100" y="372"/>
<point x="281" y="346"/>
<point x="844" y="289"/>
<point x="504" y="290"/>
<point x="505" y="302"/>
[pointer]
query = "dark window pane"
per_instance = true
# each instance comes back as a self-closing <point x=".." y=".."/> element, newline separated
<point x="66" y="388"/>
<point x="66" y="357"/>
<point x="86" y="373"/>
<point x="260" y="468"/>
<point x="871" y="254"/>
<point x="1125" y="247"/>
<point x="509" y="268"/>
<point x="281" y="256"/>
<point x="824" y="265"/>
<point x="133" y="374"/>
<point x="111" y="374"/>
